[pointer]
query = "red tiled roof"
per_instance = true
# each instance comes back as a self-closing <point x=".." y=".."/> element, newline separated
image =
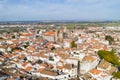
<point x="26" y="34"/>
<point x="28" y="68"/>
<point x="59" y="67"/>
<point x="24" y="64"/>
<point x="43" y="64"/>
<point x="39" y="70"/>
<point x="95" y="71"/>
<point x="49" y="33"/>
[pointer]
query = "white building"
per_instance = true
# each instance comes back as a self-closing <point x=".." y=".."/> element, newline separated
<point x="89" y="62"/>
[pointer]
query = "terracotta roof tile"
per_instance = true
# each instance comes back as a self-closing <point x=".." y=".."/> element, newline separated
<point x="89" y="58"/>
<point x="95" y="71"/>
<point x="50" y="33"/>
<point x="29" y="68"/>
<point x="26" y="34"/>
<point x="39" y="70"/>
<point x="48" y="72"/>
<point x="104" y="64"/>
<point x="24" y="64"/>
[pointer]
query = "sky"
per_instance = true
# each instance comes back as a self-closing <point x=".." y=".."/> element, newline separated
<point x="83" y="10"/>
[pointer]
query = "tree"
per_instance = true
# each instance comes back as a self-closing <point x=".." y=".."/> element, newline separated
<point x="109" y="56"/>
<point x="26" y="45"/>
<point x="116" y="75"/>
<point x="25" y="59"/>
<point x="110" y="39"/>
<point x="53" y="48"/>
<point x="73" y="44"/>
<point x="13" y="36"/>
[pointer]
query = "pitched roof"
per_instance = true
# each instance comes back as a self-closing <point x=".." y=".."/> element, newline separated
<point x="44" y="65"/>
<point x="113" y="69"/>
<point x="39" y="70"/>
<point x="67" y="66"/>
<point x="50" y="33"/>
<point x="89" y="58"/>
<point x="104" y="64"/>
<point x="95" y="71"/>
<point x="59" y="67"/>
<point x="26" y="34"/>
<point x="63" y="55"/>
<point x="48" y="72"/>
<point x="24" y="64"/>
<point x="29" y="68"/>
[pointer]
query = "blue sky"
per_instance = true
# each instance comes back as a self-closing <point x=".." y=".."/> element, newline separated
<point x="19" y="10"/>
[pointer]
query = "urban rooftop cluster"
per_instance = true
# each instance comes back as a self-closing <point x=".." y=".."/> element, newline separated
<point x="60" y="54"/>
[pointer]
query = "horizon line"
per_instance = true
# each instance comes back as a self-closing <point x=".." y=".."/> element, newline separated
<point x="60" y="21"/>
